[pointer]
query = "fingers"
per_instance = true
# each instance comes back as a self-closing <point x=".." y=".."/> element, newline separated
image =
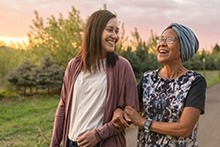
<point x="121" y="121"/>
<point x="87" y="139"/>
<point x="128" y="108"/>
<point x="116" y="123"/>
<point x="125" y="120"/>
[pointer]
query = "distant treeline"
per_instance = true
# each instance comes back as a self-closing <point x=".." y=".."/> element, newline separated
<point x="38" y="67"/>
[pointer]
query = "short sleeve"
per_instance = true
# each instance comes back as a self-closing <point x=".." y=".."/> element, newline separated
<point x="197" y="94"/>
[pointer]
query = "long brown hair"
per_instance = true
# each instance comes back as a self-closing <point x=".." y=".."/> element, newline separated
<point x="91" y="49"/>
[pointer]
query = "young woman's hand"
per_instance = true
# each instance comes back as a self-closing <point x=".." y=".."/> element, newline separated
<point x="120" y="119"/>
<point x="88" y="139"/>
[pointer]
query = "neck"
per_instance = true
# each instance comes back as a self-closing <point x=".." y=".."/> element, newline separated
<point x="172" y="72"/>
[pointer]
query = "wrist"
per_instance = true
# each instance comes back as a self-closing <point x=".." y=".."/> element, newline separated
<point x="147" y="125"/>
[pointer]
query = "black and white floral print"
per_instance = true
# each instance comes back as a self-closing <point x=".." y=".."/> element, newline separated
<point x="163" y="100"/>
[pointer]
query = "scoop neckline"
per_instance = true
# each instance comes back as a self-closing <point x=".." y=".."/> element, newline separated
<point x="157" y="75"/>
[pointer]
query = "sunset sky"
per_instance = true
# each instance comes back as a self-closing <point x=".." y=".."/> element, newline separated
<point x="202" y="16"/>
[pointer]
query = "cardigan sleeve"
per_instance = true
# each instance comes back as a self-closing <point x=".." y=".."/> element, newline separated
<point x="107" y="130"/>
<point x="128" y="95"/>
<point x="59" y="119"/>
<point x="123" y="93"/>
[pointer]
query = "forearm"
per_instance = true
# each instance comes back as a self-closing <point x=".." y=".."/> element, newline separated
<point x="107" y="130"/>
<point x="177" y="129"/>
<point x="57" y="133"/>
<point x="58" y="125"/>
<point x="182" y="128"/>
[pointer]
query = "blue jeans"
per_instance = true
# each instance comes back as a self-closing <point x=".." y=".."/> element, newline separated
<point x="71" y="143"/>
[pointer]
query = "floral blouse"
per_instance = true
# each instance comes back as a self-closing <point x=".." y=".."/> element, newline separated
<point x="163" y="100"/>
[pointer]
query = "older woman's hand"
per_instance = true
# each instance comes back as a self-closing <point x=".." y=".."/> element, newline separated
<point x="134" y="116"/>
<point x="120" y="119"/>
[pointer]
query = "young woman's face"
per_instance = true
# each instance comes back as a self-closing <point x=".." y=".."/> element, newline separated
<point x="168" y="47"/>
<point x="110" y="36"/>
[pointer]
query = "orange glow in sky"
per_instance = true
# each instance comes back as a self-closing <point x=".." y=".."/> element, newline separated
<point x="200" y="15"/>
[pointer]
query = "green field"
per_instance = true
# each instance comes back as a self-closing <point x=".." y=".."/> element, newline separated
<point x="27" y="122"/>
<point x="212" y="77"/>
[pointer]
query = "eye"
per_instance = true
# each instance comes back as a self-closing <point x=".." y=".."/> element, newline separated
<point x="160" y="39"/>
<point x="109" y="29"/>
<point x="169" y="39"/>
<point x="116" y="31"/>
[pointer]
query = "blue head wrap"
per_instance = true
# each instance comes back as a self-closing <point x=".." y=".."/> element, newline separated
<point x="189" y="43"/>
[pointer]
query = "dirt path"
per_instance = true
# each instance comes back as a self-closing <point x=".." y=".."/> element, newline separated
<point x="209" y="129"/>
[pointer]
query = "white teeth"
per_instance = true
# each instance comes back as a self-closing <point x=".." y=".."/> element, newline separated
<point x="163" y="51"/>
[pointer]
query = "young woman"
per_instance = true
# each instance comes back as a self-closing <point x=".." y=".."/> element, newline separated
<point x="96" y="82"/>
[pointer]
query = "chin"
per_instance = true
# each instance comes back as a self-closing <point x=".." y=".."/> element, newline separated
<point x="110" y="50"/>
<point x="161" y="61"/>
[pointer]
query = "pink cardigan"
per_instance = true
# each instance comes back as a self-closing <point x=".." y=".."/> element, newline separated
<point x="121" y="91"/>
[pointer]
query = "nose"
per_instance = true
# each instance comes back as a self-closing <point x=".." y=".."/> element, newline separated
<point x="115" y="36"/>
<point x="161" y="44"/>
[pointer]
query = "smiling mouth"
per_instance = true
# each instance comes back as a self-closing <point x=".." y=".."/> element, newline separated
<point x="162" y="51"/>
<point x="112" y="43"/>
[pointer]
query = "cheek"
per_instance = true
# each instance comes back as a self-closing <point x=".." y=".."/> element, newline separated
<point x="118" y="37"/>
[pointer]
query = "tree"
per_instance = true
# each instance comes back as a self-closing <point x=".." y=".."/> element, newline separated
<point x="23" y="77"/>
<point x="122" y="42"/>
<point x="216" y="49"/>
<point x="49" y="75"/>
<point x="138" y="55"/>
<point x="152" y="42"/>
<point x="9" y="59"/>
<point x="61" y="38"/>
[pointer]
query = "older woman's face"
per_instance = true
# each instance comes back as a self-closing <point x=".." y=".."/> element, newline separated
<point x="168" y="47"/>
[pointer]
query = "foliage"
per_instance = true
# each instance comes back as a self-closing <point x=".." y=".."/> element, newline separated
<point x="152" y="42"/>
<point x="28" y="76"/>
<point x="216" y="49"/>
<point x="139" y="56"/>
<point x="23" y="76"/>
<point x="61" y="38"/>
<point x="49" y="75"/>
<point x="9" y="59"/>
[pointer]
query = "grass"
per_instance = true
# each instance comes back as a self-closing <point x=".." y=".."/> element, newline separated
<point x="212" y="77"/>
<point x="28" y="122"/>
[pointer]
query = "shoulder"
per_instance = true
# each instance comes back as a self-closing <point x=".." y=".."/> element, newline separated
<point x="197" y="76"/>
<point x="72" y="65"/>
<point x="197" y="79"/>
<point x="73" y="61"/>
<point x="122" y="62"/>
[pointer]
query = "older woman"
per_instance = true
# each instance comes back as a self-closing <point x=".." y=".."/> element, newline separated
<point x="173" y="97"/>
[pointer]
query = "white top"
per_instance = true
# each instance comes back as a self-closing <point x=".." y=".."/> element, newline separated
<point x="88" y="102"/>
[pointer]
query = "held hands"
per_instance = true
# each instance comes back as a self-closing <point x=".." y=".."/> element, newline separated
<point x="120" y="119"/>
<point x="134" y="116"/>
<point x="88" y="139"/>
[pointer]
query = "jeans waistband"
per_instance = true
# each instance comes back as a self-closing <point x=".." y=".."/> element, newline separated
<point x="71" y="143"/>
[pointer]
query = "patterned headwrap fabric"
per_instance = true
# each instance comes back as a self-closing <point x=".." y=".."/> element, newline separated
<point x="189" y="43"/>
